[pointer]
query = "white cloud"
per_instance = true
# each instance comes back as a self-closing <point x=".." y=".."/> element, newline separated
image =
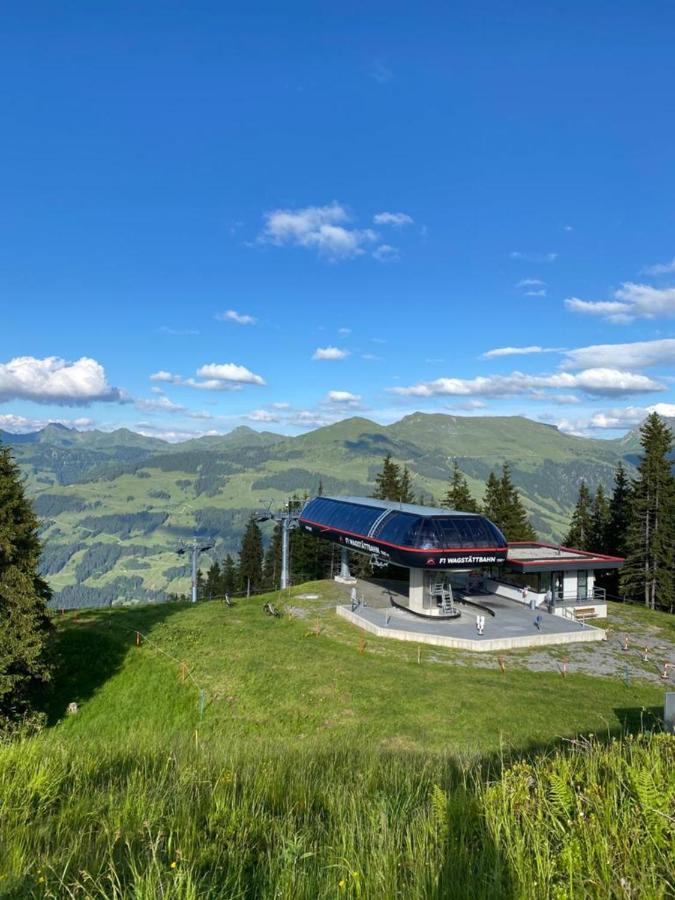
<point x="177" y="332"/>
<point x="468" y="406"/>
<point x="330" y="353"/>
<point x="23" y="425"/>
<point x="53" y="380"/>
<point x="173" y="436"/>
<point x="344" y="332"/>
<point x="162" y="375"/>
<point x="533" y="257"/>
<point x="519" y="351"/>
<point x="230" y="373"/>
<point x="603" y="382"/>
<point x="630" y="301"/>
<point x="160" y="404"/>
<point x="322" y="228"/>
<point x="540" y="292"/>
<point x="262" y="415"/>
<point x="636" y="355"/>
<point x="385" y="253"/>
<point x="660" y="268"/>
<point x="371" y="357"/>
<point x="531" y="283"/>
<point x="216" y="377"/>
<point x="616" y="419"/>
<point x="233" y="316"/>
<point x="345" y="397"/>
<point x="397" y="219"/>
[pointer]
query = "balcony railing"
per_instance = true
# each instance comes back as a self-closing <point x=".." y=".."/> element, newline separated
<point x="572" y="598"/>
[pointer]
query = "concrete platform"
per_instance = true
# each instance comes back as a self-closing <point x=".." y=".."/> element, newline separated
<point x="512" y="628"/>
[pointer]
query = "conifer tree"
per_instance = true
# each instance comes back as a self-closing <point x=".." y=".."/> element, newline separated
<point x="387" y="482"/>
<point x="213" y="581"/>
<point x="599" y="534"/>
<point x="503" y="506"/>
<point x="230" y="575"/>
<point x="515" y="523"/>
<point x="405" y="489"/>
<point x="619" y="514"/>
<point x="649" y="573"/>
<point x="251" y="557"/>
<point x="458" y="495"/>
<point x="272" y="561"/>
<point x="579" y="534"/>
<point x="24" y="622"/>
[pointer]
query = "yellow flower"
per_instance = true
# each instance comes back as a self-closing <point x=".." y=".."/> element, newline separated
<point x="173" y="864"/>
<point x="41" y="879"/>
<point x="341" y="884"/>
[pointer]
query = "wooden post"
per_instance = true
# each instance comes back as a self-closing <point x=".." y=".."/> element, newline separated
<point x="138" y="639"/>
<point x="502" y="663"/>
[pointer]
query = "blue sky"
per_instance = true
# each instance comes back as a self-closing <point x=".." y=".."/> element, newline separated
<point x="283" y="214"/>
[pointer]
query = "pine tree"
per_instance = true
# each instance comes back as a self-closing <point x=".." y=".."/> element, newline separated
<point x="405" y="489"/>
<point x="649" y="572"/>
<point x="515" y="523"/>
<point x="213" y="578"/>
<point x="24" y="622"/>
<point x="388" y="481"/>
<point x="459" y="496"/>
<point x="619" y="514"/>
<point x="579" y="535"/>
<point x="230" y="576"/>
<point x="492" y="505"/>
<point x="272" y="561"/>
<point x="251" y="558"/>
<point x="598" y="540"/>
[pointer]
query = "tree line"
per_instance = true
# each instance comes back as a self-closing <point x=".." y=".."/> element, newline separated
<point x="637" y="522"/>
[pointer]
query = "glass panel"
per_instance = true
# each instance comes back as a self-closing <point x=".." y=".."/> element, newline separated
<point x="582" y="585"/>
<point x="424" y="536"/>
<point x="398" y="528"/>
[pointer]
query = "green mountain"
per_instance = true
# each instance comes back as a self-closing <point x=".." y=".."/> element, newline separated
<point x="116" y="505"/>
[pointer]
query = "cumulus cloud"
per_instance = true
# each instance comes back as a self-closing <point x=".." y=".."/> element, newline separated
<point x="231" y="315"/>
<point x="23" y="425"/>
<point x="53" y="380"/>
<point x="615" y="419"/>
<point x="533" y="257"/>
<point x="321" y="228"/>
<point x="330" y="353"/>
<point x="215" y="377"/>
<point x="397" y="219"/>
<point x="160" y="403"/>
<point x="630" y="301"/>
<point x="660" y="268"/>
<point x="344" y="397"/>
<point x="385" y="253"/>
<point x="262" y="415"/>
<point x="635" y="355"/>
<point x="519" y="351"/>
<point x="600" y="381"/>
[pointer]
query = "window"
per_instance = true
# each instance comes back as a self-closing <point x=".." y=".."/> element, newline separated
<point x="398" y="528"/>
<point x="343" y="516"/>
<point x="425" y="535"/>
<point x="468" y="531"/>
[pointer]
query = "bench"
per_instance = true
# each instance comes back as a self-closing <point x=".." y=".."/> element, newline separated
<point x="585" y="612"/>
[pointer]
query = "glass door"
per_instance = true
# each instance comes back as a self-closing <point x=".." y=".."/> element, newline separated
<point x="558" y="586"/>
<point x="582" y="585"/>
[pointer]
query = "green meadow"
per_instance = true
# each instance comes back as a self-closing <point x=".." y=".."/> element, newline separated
<point x="232" y="754"/>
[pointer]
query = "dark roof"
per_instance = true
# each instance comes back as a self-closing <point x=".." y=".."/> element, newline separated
<point x="413" y="508"/>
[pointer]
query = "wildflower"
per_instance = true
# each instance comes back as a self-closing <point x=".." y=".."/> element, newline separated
<point x="173" y="864"/>
<point x="41" y="879"/>
<point x="341" y="884"/>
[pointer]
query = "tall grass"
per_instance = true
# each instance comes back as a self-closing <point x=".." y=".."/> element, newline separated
<point x="188" y="821"/>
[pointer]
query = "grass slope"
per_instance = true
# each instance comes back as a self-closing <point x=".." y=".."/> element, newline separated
<point x="317" y="770"/>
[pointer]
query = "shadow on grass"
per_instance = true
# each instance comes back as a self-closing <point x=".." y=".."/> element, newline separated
<point x="89" y="647"/>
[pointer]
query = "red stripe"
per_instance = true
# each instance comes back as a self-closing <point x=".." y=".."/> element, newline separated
<point x="407" y="549"/>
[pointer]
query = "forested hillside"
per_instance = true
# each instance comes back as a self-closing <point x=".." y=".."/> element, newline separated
<point x="115" y="506"/>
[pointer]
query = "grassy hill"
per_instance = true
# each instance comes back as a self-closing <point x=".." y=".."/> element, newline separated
<point x="115" y="505"/>
<point x="235" y="755"/>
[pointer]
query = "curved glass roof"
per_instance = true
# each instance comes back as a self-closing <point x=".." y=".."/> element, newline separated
<point x="404" y="524"/>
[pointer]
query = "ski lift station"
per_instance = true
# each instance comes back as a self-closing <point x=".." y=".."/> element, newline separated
<point x="461" y="570"/>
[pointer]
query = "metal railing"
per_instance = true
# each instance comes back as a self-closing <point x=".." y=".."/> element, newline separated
<point x="572" y="598"/>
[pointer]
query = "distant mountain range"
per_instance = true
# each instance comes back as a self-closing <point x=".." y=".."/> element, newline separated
<point x="115" y="505"/>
